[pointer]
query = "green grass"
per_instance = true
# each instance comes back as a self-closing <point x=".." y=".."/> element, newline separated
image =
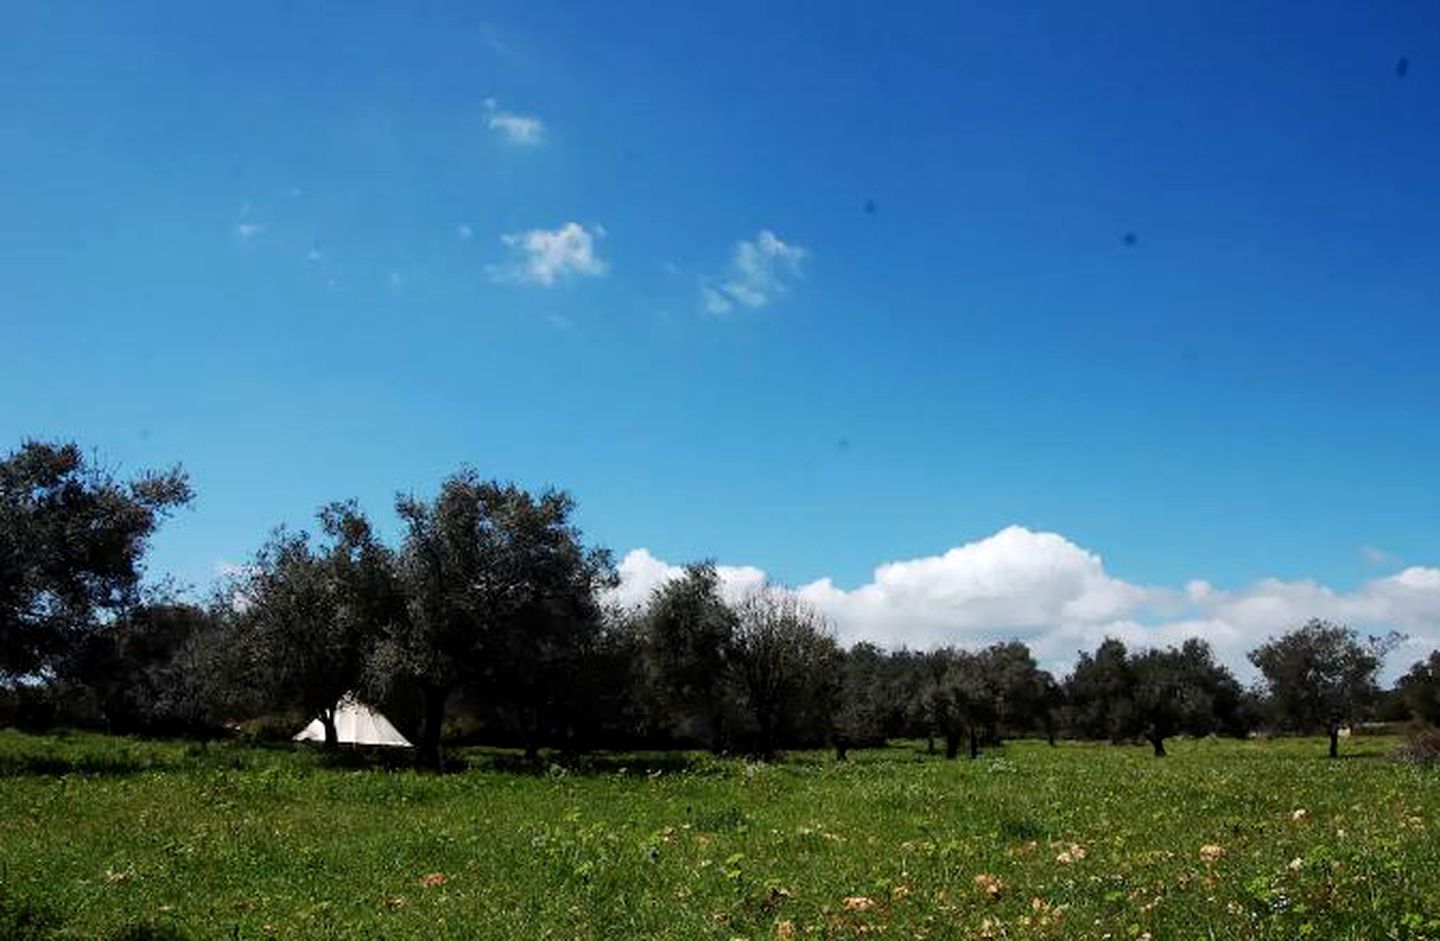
<point x="100" y="836"/>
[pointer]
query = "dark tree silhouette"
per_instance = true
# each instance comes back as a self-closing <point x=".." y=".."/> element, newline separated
<point x="1420" y="689"/>
<point x="72" y="543"/>
<point x="495" y="579"/>
<point x="689" y="635"/>
<point x="782" y="656"/>
<point x="312" y="618"/>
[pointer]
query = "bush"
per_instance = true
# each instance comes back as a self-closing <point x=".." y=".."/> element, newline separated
<point x="276" y="727"/>
<point x="1422" y="744"/>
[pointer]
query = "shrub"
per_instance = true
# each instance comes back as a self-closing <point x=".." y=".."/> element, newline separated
<point x="1422" y="744"/>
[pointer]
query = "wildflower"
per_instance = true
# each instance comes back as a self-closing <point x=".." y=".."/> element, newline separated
<point x="1073" y="854"/>
<point x="430" y="880"/>
<point x="1045" y="913"/>
<point x="1296" y="864"/>
<point x="858" y="903"/>
<point x="784" y="930"/>
<point x="1211" y="852"/>
<point x="1299" y="814"/>
<point x="990" y="885"/>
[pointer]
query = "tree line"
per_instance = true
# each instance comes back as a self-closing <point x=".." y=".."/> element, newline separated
<point x="488" y="617"/>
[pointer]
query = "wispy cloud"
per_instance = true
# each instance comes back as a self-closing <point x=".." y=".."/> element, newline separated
<point x="463" y="232"/>
<point x="545" y="256"/>
<point x="761" y="269"/>
<point x="524" y="129"/>
<point x="1378" y="558"/>
<point x="249" y="230"/>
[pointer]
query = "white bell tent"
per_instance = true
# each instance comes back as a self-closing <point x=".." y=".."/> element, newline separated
<point x="355" y="724"/>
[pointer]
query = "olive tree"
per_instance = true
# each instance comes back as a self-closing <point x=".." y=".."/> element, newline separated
<point x="497" y="585"/>
<point x="73" y="538"/>
<point x="688" y="633"/>
<point x="1420" y="689"/>
<point x="312" y="616"/>
<point x="781" y="657"/>
<point x="1321" y="676"/>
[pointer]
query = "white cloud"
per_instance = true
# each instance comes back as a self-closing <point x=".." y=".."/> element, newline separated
<point x="544" y="256"/>
<point x="641" y="573"/>
<point x="761" y="269"/>
<point x="1059" y="598"/>
<point x="524" y="129"/>
<point x="248" y="230"/>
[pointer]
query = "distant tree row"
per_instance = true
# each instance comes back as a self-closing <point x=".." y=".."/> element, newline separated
<point x="489" y="614"/>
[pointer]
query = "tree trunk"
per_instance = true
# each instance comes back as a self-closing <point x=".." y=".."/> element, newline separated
<point x="428" y="754"/>
<point x="1334" y="740"/>
<point x="930" y="743"/>
<point x="327" y="720"/>
<point x="1159" y="744"/>
<point x="842" y="749"/>
<point x="952" y="744"/>
<point x="765" y="724"/>
<point x="1050" y="734"/>
<point x="716" y="721"/>
<point x="974" y="744"/>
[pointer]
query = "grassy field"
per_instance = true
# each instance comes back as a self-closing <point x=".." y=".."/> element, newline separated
<point x="115" y="838"/>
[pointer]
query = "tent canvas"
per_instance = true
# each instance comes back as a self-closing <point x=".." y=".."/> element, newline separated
<point x="355" y="724"/>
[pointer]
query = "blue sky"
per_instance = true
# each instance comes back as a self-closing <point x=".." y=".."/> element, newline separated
<point x="286" y="245"/>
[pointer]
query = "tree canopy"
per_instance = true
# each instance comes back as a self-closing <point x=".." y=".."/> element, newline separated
<point x="1320" y="676"/>
<point x="72" y="540"/>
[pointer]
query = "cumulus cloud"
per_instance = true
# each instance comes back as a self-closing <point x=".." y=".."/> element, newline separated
<point x="545" y="256"/>
<point x="761" y="269"/>
<point x="523" y="129"/>
<point x="641" y="573"/>
<point x="1060" y="599"/>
